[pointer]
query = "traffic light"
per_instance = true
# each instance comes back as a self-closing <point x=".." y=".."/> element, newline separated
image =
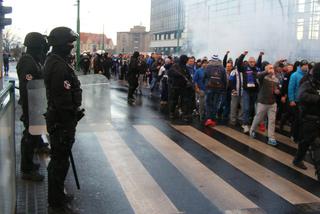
<point x="3" y="11"/>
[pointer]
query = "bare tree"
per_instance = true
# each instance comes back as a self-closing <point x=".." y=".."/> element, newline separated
<point x="10" y="40"/>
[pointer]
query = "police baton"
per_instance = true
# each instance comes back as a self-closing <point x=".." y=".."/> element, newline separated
<point x="80" y="115"/>
<point x="74" y="169"/>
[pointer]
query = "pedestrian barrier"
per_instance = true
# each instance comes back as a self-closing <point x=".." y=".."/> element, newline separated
<point x="7" y="150"/>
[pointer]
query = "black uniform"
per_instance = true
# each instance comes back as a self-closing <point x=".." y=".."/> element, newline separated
<point x="133" y="75"/>
<point x="180" y="88"/>
<point x="64" y="97"/>
<point x="85" y="64"/>
<point x="98" y="63"/>
<point x="28" y="68"/>
<point x="309" y="96"/>
<point x="107" y="64"/>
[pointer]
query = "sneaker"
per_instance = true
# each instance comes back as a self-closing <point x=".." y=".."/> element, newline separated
<point x="232" y="123"/>
<point x="131" y="101"/>
<point x="299" y="164"/>
<point x="187" y="118"/>
<point x="210" y="123"/>
<point x="252" y="134"/>
<point x="245" y="129"/>
<point x="272" y="142"/>
<point x="32" y="176"/>
<point x="262" y="127"/>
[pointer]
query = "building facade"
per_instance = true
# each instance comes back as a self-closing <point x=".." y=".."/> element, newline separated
<point x="93" y="42"/>
<point x="281" y="28"/>
<point x="137" y="39"/>
<point x="167" y="26"/>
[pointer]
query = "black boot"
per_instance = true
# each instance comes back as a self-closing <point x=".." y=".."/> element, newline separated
<point x="62" y="210"/>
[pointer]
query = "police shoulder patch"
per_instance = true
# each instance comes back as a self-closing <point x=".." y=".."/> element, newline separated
<point x="67" y="85"/>
<point x="29" y="77"/>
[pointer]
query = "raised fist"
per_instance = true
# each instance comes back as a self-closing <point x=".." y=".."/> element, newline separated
<point x="245" y="52"/>
<point x="261" y="53"/>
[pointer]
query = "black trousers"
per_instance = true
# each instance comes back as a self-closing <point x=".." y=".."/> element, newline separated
<point x="133" y="84"/>
<point x="287" y="114"/>
<point x="296" y="124"/>
<point x="185" y="96"/>
<point x="61" y="141"/>
<point x="28" y="144"/>
<point x="310" y="130"/>
<point x="107" y="72"/>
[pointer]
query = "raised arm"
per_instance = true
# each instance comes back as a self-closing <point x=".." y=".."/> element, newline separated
<point x="240" y="61"/>
<point x="225" y="59"/>
<point x="259" y="61"/>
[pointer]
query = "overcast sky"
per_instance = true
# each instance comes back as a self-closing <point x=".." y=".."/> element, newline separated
<point x="43" y="15"/>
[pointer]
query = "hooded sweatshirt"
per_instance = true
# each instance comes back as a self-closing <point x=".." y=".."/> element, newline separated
<point x="294" y="85"/>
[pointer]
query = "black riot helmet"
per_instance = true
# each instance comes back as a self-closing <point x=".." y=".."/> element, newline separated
<point x="61" y="36"/>
<point x="35" y="40"/>
<point x="136" y="54"/>
<point x="316" y="73"/>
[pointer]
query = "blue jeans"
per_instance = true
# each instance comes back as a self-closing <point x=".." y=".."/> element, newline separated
<point x="213" y="102"/>
<point x="248" y="104"/>
<point x="225" y="106"/>
<point x="154" y="81"/>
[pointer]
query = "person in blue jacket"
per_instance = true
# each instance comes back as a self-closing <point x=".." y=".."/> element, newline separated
<point x="200" y="87"/>
<point x="293" y="96"/>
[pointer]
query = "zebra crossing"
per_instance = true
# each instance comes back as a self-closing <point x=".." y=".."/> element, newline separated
<point x="164" y="168"/>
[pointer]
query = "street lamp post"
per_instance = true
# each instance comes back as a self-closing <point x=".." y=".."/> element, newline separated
<point x="179" y="20"/>
<point x="78" y="31"/>
<point x="103" y="37"/>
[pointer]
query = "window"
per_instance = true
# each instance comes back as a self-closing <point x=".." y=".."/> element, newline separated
<point x="314" y="24"/>
<point x="300" y="29"/>
<point x="301" y="6"/>
<point x="314" y="28"/>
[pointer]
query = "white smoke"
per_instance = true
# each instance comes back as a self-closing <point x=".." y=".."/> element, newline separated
<point x="213" y="27"/>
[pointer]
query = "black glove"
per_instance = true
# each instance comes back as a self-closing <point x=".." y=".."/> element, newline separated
<point x="80" y="114"/>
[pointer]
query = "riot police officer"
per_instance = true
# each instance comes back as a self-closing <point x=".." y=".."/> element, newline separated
<point x="64" y="99"/>
<point x="133" y="76"/>
<point x="98" y="63"/>
<point x="180" y="84"/>
<point x="107" y="64"/>
<point x="29" y="68"/>
<point x="309" y="96"/>
<point x="85" y="63"/>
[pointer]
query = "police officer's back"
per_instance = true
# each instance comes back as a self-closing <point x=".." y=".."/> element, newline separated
<point x="133" y="75"/>
<point x="85" y="63"/>
<point x="309" y="97"/>
<point x="64" y="98"/>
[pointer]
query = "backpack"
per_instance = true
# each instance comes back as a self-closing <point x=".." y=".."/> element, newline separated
<point x="215" y="76"/>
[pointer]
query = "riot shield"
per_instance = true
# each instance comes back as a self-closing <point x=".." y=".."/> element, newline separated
<point x="37" y="103"/>
<point x="95" y="101"/>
